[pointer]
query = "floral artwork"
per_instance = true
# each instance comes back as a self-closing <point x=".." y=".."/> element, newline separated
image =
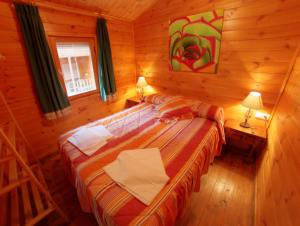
<point x="195" y="42"/>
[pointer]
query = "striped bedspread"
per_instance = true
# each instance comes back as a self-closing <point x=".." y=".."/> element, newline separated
<point x="187" y="148"/>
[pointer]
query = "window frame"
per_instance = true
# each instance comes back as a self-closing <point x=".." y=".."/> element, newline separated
<point x="53" y="39"/>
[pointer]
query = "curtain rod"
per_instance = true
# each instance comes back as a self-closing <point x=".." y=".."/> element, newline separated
<point x="69" y="9"/>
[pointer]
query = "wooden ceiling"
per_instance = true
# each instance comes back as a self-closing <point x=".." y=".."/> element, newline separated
<point x="124" y="9"/>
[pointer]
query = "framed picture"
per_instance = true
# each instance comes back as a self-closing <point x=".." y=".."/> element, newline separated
<point x="195" y="41"/>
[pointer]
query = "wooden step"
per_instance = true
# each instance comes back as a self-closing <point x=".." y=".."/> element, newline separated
<point x="40" y="216"/>
<point x="6" y="159"/>
<point x="27" y="208"/>
<point x="13" y="178"/>
<point x="13" y="185"/>
<point x="34" y="208"/>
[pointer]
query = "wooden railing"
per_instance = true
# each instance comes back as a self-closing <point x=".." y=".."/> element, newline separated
<point x="24" y="197"/>
<point x="78" y="86"/>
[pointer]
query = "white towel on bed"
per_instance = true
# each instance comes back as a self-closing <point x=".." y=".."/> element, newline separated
<point x="141" y="172"/>
<point x="90" y="139"/>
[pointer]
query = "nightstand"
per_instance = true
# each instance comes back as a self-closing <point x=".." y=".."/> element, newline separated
<point x="132" y="101"/>
<point x="247" y="141"/>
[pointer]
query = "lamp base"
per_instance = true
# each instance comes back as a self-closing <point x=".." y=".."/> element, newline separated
<point x="245" y="124"/>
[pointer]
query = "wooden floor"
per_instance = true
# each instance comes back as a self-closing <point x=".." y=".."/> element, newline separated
<point x="226" y="196"/>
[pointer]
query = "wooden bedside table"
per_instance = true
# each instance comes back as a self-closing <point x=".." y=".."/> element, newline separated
<point x="132" y="101"/>
<point x="248" y="141"/>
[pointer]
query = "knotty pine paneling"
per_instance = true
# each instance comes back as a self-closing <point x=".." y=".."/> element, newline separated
<point x="277" y="180"/>
<point x="258" y="41"/>
<point x="129" y="9"/>
<point x="18" y="88"/>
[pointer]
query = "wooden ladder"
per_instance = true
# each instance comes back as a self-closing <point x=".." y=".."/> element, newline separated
<point x="24" y="198"/>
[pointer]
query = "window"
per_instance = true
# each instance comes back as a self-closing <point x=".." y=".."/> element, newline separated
<point x="76" y="66"/>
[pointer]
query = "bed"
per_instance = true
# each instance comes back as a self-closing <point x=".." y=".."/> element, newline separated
<point x="187" y="147"/>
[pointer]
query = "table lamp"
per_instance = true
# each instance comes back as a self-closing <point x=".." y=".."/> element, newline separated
<point x="252" y="101"/>
<point x="141" y="84"/>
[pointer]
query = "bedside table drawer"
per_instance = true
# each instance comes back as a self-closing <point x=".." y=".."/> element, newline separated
<point x="246" y="141"/>
<point x="234" y="135"/>
<point x="239" y="145"/>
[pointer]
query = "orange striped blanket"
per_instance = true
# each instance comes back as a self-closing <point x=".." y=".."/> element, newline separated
<point x="187" y="148"/>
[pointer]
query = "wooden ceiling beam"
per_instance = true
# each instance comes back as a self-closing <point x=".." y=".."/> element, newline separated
<point x="69" y="9"/>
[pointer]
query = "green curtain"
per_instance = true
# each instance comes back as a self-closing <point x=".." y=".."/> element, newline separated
<point x="53" y="100"/>
<point x="105" y="65"/>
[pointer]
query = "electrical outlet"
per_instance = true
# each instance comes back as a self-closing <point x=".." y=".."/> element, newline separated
<point x="262" y="115"/>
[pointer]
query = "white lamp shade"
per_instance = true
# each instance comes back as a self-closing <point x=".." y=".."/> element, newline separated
<point x="253" y="101"/>
<point x="141" y="83"/>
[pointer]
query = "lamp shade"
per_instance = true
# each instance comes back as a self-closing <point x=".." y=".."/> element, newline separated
<point x="141" y="83"/>
<point x="253" y="101"/>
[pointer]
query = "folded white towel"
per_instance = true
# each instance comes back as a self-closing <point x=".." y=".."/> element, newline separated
<point x="89" y="140"/>
<point x="141" y="172"/>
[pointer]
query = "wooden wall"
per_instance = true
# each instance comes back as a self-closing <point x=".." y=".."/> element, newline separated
<point x="277" y="180"/>
<point x="17" y="85"/>
<point x="258" y="41"/>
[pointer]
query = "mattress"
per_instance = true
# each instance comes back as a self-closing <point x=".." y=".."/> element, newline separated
<point x="187" y="148"/>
